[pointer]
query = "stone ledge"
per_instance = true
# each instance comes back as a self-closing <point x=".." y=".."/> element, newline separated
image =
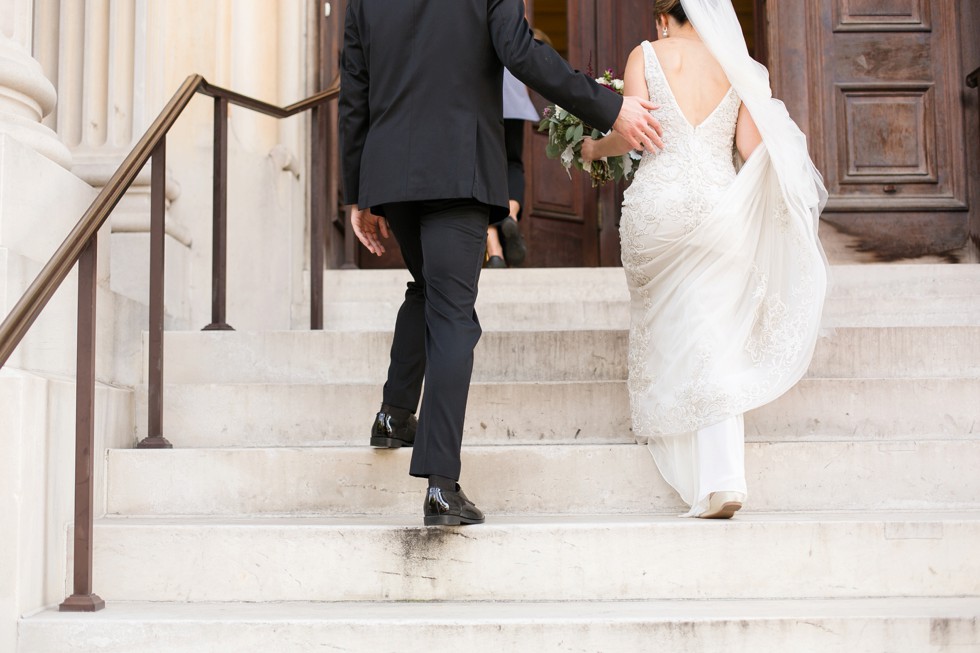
<point x="926" y="625"/>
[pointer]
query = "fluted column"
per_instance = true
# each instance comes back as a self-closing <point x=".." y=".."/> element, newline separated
<point x="107" y="63"/>
<point x="26" y="95"/>
<point x="97" y="73"/>
<point x="96" y="52"/>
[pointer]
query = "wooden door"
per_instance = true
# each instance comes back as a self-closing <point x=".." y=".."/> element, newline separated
<point x="560" y="214"/>
<point x="342" y="250"/>
<point x="567" y="221"/>
<point x="877" y="86"/>
<point x="620" y="27"/>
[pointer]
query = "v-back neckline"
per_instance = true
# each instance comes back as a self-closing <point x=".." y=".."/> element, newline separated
<point x="673" y="98"/>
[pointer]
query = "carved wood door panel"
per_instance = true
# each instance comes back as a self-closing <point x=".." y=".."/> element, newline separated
<point x="880" y="80"/>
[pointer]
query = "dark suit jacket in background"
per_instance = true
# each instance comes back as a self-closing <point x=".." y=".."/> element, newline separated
<point x="421" y="114"/>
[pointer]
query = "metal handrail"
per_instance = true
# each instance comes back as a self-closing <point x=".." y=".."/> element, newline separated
<point x="29" y="307"/>
<point x="81" y="246"/>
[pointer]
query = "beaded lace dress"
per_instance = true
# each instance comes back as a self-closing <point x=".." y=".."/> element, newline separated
<point x="726" y="289"/>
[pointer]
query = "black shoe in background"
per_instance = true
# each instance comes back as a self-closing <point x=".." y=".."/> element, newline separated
<point x="515" y="249"/>
<point x="393" y="428"/>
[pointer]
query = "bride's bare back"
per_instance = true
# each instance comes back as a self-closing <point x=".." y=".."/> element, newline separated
<point x="696" y="79"/>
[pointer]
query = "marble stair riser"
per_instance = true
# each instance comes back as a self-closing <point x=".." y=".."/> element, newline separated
<point x="804" y="476"/>
<point x="541" y="413"/>
<point x="591" y="558"/>
<point x="588" y="313"/>
<point x="847" y="281"/>
<point x="599" y="355"/>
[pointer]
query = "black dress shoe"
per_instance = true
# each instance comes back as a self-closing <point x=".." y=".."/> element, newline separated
<point x="449" y="508"/>
<point x="515" y="249"/>
<point x="496" y="262"/>
<point x="393" y="428"/>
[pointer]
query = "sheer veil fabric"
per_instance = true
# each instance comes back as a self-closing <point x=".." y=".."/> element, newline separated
<point x="803" y="188"/>
<point x="726" y="316"/>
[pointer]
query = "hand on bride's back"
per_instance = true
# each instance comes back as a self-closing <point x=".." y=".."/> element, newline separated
<point x="638" y="126"/>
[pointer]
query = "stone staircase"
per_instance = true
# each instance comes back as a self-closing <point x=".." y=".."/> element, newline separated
<point x="273" y="527"/>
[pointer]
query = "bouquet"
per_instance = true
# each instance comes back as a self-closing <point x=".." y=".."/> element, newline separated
<point x="565" y="136"/>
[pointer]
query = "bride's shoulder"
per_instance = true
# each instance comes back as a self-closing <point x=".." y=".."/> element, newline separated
<point x="668" y="50"/>
<point x="638" y="55"/>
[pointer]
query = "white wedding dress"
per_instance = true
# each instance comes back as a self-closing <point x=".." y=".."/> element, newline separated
<point x="727" y="283"/>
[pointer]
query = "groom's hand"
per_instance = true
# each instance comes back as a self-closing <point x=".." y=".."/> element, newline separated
<point x="640" y="129"/>
<point x="367" y="228"/>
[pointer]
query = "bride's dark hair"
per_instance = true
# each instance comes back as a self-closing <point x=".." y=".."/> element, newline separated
<point x="670" y="8"/>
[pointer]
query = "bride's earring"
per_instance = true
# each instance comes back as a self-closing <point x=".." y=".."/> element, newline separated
<point x="665" y="31"/>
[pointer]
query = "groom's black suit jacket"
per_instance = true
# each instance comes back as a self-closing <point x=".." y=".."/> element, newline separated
<point x="421" y="113"/>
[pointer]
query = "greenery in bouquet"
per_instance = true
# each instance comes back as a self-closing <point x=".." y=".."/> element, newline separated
<point x="565" y="136"/>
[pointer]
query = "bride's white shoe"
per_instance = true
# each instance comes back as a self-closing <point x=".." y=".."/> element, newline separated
<point x="722" y="505"/>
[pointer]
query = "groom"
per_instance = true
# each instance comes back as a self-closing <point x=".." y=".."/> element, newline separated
<point x="422" y="150"/>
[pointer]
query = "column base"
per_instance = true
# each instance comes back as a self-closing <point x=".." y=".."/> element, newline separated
<point x="26" y="96"/>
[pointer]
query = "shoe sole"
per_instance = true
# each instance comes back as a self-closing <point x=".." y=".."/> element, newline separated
<point x="389" y="443"/>
<point x="515" y="251"/>
<point x="727" y="511"/>
<point x="450" y="520"/>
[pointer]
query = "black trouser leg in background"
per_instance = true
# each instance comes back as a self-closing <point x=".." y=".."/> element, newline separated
<point x="514" y="144"/>
<point x="442" y="243"/>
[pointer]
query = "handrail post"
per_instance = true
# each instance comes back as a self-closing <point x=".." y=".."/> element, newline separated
<point x="219" y="238"/>
<point x="318" y="210"/>
<point x="158" y="234"/>
<point x="82" y="598"/>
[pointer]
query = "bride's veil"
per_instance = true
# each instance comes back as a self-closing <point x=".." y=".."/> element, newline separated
<point x="801" y="183"/>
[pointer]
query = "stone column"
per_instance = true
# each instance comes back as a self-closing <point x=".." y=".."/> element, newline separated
<point x="26" y="96"/>
<point x="109" y="71"/>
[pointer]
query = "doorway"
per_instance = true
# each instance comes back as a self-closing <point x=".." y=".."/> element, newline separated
<point x="567" y="222"/>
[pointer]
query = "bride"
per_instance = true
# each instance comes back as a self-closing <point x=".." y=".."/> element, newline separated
<point x="726" y="275"/>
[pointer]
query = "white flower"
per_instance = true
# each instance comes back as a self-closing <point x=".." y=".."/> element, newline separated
<point x="560" y="113"/>
<point x="567" y="156"/>
<point x="602" y="80"/>
<point x="618" y="84"/>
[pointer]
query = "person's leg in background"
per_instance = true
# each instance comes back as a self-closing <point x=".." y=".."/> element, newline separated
<point x="515" y="249"/>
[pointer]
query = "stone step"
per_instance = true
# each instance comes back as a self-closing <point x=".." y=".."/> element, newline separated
<point x="801" y="476"/>
<point x="494" y="316"/>
<point x="594" y="558"/>
<point x="868" y="281"/>
<point x="591" y="298"/>
<point x="921" y="625"/>
<point x="503" y="313"/>
<point x="362" y="357"/>
<point x="268" y="415"/>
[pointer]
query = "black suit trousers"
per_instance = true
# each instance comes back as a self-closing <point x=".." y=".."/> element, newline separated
<point x="443" y="244"/>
